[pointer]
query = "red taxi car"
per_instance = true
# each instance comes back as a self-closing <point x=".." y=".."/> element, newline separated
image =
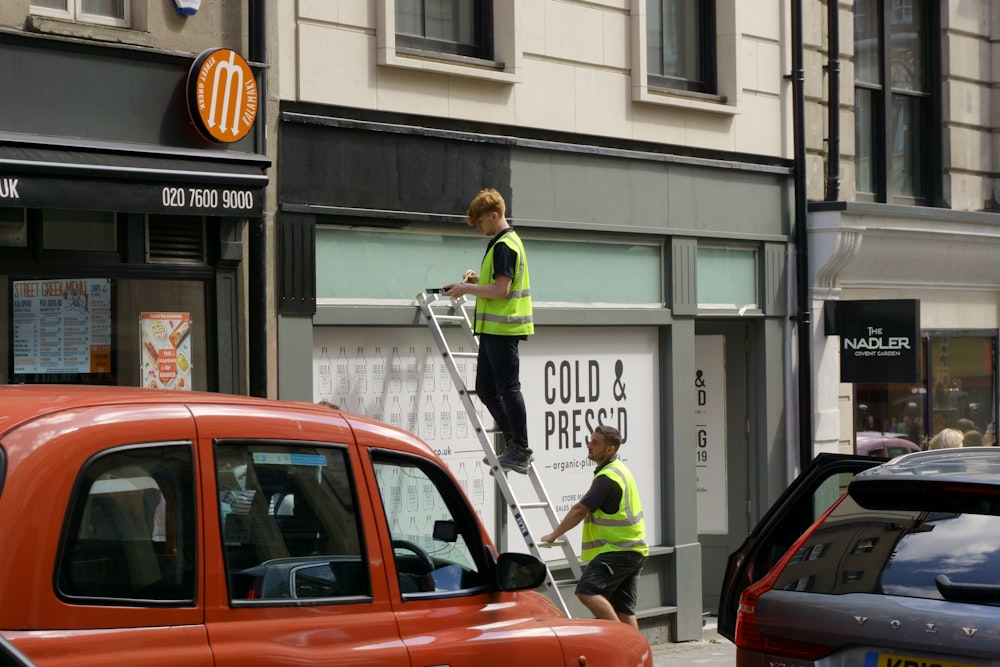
<point x="143" y="526"/>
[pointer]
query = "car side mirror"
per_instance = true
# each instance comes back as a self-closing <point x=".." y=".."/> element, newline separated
<point x="519" y="572"/>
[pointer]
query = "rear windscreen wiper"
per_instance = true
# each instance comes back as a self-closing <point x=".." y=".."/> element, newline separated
<point x="964" y="592"/>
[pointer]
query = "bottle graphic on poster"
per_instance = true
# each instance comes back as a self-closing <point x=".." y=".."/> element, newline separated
<point x="410" y="371"/>
<point x="324" y="373"/>
<point x="463" y="477"/>
<point x="396" y="491"/>
<point x="360" y="408"/>
<point x="379" y="409"/>
<point x="378" y="372"/>
<point x="412" y="497"/>
<point x="427" y="494"/>
<point x="396" y="413"/>
<point x="444" y="419"/>
<point x="428" y="428"/>
<point x="429" y="370"/>
<point x="343" y="373"/>
<point x="413" y="416"/>
<point x="463" y="366"/>
<point x="461" y="424"/>
<point x="395" y="372"/>
<point x="359" y="373"/>
<point x="444" y="380"/>
<point x="478" y="487"/>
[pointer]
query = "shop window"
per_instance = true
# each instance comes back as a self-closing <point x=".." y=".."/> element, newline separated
<point x="13" y="228"/>
<point x="104" y="12"/>
<point x="132" y="530"/>
<point x="896" y="98"/>
<point x="956" y="389"/>
<point x="727" y="278"/>
<point x="473" y="38"/>
<point x="407" y="263"/>
<point x="93" y="231"/>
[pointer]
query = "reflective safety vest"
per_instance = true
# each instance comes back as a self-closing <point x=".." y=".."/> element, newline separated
<point x="624" y="530"/>
<point x="510" y="316"/>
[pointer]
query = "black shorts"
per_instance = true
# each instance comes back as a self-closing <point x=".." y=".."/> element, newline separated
<point x="615" y="575"/>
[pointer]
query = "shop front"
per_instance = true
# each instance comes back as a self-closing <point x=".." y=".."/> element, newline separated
<point x="122" y="229"/>
<point x="908" y="326"/>
<point x="635" y="256"/>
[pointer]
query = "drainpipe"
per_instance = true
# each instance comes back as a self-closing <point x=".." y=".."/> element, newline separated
<point x="257" y="252"/>
<point x="833" y="96"/>
<point x="804" y="319"/>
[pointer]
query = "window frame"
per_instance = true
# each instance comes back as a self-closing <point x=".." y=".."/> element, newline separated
<point x="498" y="59"/>
<point x="74" y="12"/>
<point x="707" y="47"/>
<point x="928" y="157"/>
<point x="726" y="64"/>
<point x="481" y="48"/>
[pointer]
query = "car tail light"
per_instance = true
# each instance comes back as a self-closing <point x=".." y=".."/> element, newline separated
<point x="749" y="636"/>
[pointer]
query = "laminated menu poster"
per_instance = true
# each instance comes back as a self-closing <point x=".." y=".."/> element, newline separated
<point x="165" y="347"/>
<point x="62" y="325"/>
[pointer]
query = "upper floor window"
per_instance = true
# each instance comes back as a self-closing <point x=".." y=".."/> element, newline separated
<point x="681" y="45"/>
<point x="105" y="12"/>
<point x="896" y="135"/>
<point x="458" y="27"/>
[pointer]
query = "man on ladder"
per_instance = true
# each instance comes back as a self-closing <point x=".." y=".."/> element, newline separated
<point x="503" y="319"/>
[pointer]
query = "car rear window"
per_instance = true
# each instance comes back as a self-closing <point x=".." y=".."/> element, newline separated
<point x="917" y="553"/>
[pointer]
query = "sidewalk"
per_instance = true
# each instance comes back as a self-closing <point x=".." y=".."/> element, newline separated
<point x="712" y="650"/>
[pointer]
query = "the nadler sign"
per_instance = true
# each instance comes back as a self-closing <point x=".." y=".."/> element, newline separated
<point x="879" y="339"/>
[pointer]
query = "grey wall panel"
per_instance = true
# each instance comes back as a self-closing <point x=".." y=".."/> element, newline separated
<point x="774" y="279"/>
<point x="684" y="276"/>
<point x="114" y="94"/>
<point x="605" y="192"/>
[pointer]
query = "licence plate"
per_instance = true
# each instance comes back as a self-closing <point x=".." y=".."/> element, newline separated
<point x="874" y="659"/>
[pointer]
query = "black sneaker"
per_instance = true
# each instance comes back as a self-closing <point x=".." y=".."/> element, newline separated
<point x="500" y="452"/>
<point x="517" y="459"/>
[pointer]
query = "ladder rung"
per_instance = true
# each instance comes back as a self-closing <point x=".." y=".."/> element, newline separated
<point x="549" y="545"/>
<point x="566" y="582"/>
<point x="448" y="318"/>
<point x="533" y="506"/>
<point x="466" y="355"/>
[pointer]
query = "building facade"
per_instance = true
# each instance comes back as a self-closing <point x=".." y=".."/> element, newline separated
<point x="904" y="183"/>
<point x="127" y="196"/>
<point x="645" y="154"/>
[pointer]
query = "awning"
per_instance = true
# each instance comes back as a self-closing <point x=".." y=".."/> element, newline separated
<point x="36" y="173"/>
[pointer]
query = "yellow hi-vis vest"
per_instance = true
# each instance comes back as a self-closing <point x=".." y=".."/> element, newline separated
<point x="624" y="530"/>
<point x="510" y="316"/>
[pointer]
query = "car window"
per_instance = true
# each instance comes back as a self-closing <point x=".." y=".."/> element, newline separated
<point x="132" y="528"/>
<point x="289" y="522"/>
<point x="896" y="552"/>
<point x="435" y="538"/>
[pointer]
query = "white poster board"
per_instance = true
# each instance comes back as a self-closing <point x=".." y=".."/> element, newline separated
<point x="572" y="379"/>
<point x="710" y="429"/>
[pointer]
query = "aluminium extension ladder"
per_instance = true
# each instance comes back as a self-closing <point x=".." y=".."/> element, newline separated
<point x="452" y="312"/>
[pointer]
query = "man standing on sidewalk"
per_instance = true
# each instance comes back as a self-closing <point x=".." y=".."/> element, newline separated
<point x="614" y="534"/>
<point x="503" y="319"/>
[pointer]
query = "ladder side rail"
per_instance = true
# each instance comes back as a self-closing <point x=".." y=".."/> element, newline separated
<point x="571" y="558"/>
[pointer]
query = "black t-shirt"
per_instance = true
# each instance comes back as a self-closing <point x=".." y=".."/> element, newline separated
<point x="603" y="494"/>
<point x="504" y="258"/>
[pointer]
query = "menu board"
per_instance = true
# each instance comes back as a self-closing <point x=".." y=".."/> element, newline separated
<point x="62" y="326"/>
<point x="165" y="348"/>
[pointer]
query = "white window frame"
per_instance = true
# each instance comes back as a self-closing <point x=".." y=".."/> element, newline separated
<point x="503" y="68"/>
<point x="74" y="12"/>
<point x="727" y="64"/>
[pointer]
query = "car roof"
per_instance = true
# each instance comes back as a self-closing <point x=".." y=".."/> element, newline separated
<point x="969" y="465"/>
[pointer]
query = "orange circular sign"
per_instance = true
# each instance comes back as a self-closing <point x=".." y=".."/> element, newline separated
<point x="222" y="95"/>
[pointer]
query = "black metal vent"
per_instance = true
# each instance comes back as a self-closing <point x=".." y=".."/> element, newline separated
<point x="175" y="240"/>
